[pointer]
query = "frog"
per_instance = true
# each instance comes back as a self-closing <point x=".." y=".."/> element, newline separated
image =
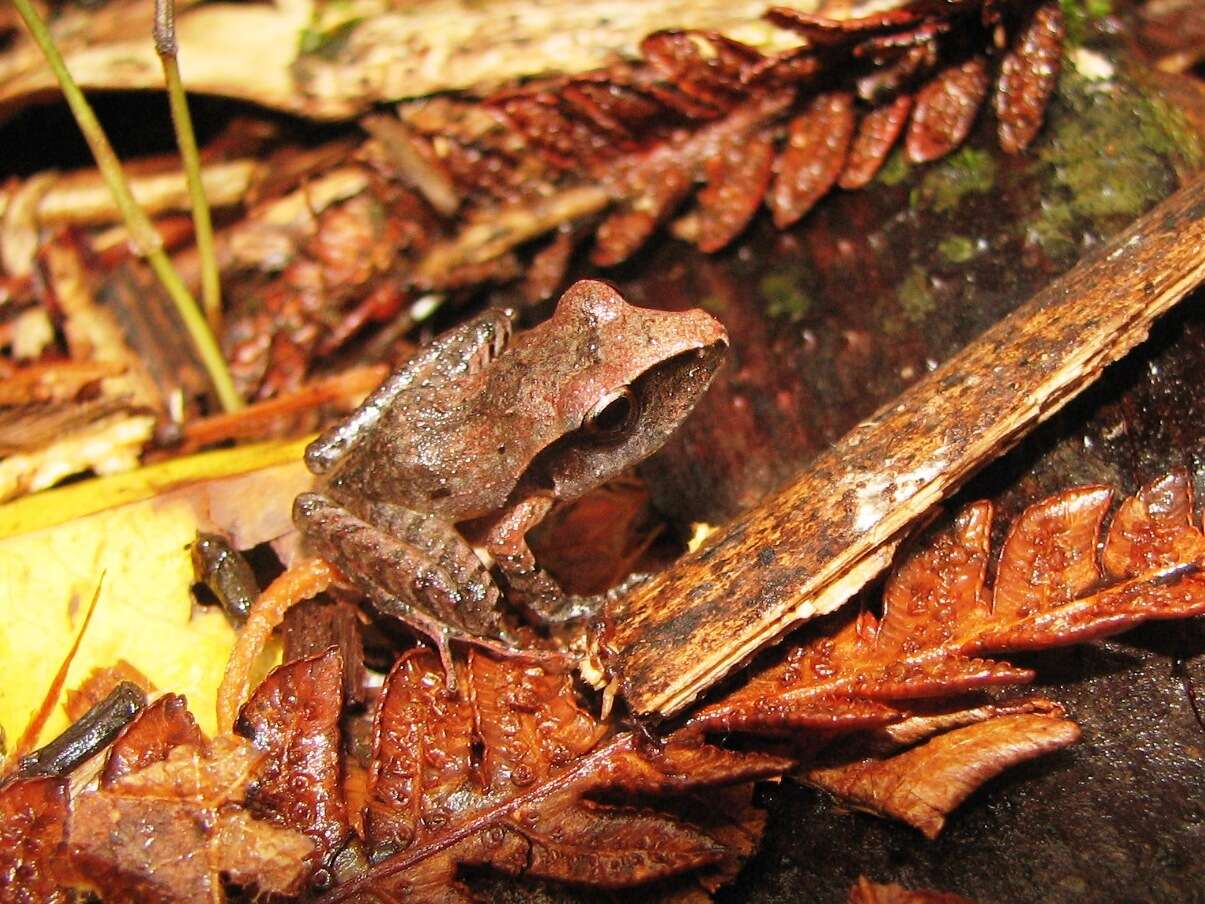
<point x="440" y="473"/>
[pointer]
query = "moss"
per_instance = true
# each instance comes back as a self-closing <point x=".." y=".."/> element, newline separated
<point x="957" y="249"/>
<point x="1053" y="229"/>
<point x="327" y="43"/>
<point x="783" y="295"/>
<point x="1080" y="15"/>
<point x="895" y="170"/>
<point x="967" y="171"/>
<point x="915" y="298"/>
<point x="1166" y="130"/>
<point x="1108" y="159"/>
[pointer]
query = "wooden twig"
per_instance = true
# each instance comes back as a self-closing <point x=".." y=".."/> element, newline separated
<point x="806" y="550"/>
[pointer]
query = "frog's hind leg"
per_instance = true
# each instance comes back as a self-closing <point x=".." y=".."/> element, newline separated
<point x="412" y="566"/>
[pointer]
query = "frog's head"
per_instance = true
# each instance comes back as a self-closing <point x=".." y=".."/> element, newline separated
<point x="636" y="374"/>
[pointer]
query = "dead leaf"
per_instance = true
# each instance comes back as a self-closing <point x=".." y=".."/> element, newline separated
<point x="921" y="787"/>
<point x="939" y="617"/>
<point x="508" y="775"/>
<point x="33" y="816"/>
<point x="169" y="832"/>
<point x="867" y="892"/>
<point x="145" y="614"/>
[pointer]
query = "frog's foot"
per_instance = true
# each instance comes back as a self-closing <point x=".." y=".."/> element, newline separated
<point x="527" y="584"/>
<point x="413" y="567"/>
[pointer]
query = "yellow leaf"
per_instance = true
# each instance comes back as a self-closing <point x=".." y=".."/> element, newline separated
<point x="135" y="528"/>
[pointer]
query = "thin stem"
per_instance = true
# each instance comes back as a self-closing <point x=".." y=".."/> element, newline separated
<point x="143" y="235"/>
<point x="186" y="140"/>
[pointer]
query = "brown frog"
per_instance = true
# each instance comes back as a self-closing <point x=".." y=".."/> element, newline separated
<point x="484" y="431"/>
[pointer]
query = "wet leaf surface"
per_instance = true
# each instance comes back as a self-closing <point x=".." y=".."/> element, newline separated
<point x="509" y="775"/>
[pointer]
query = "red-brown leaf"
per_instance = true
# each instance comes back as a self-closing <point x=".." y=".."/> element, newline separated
<point x="1028" y="74"/>
<point x="876" y="136"/>
<point x="546" y="273"/>
<point x="99" y="684"/>
<point x="822" y="31"/>
<point x="33" y="816"/>
<point x="168" y="832"/>
<point x="499" y="775"/>
<point x="921" y="786"/>
<point x="154" y="733"/>
<point x="945" y="110"/>
<point x="737" y="177"/>
<point x="817" y="142"/>
<point x="617" y="109"/>
<point x="622" y="233"/>
<point x="867" y="892"/>
<point x="938" y="615"/>
<point x="293" y="717"/>
<point x="1154" y="529"/>
<point x="693" y="63"/>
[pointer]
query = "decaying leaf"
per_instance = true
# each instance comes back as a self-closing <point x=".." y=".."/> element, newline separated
<point x="33" y="817"/>
<point x="158" y="730"/>
<point x="99" y="684"/>
<point x="170" y="831"/>
<point x="817" y="140"/>
<point x="920" y="787"/>
<point x="142" y="549"/>
<point x="294" y="718"/>
<point x="1028" y="75"/>
<point x="939" y="617"/>
<point x="867" y="892"/>
<point x="592" y="543"/>
<point x="509" y="775"/>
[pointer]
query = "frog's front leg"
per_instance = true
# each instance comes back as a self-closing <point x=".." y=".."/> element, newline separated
<point x="528" y="584"/>
<point x="413" y="566"/>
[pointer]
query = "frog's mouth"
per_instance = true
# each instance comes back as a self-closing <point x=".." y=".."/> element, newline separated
<point x="628" y="424"/>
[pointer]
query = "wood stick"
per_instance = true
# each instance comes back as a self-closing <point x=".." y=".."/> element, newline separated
<point x="807" y="549"/>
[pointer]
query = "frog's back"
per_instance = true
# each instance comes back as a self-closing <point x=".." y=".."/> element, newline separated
<point x="439" y="451"/>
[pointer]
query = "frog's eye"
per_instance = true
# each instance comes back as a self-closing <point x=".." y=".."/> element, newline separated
<point x="613" y="413"/>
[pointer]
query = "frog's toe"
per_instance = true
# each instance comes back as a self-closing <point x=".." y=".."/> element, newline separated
<point x="307" y="507"/>
<point x="444" y="648"/>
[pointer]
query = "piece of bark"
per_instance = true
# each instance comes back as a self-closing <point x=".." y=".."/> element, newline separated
<point x="258" y="52"/>
<point x="313" y="626"/>
<point x="81" y="198"/>
<point x="807" y="549"/>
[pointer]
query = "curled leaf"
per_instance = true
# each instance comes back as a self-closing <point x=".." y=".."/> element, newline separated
<point x="945" y="110"/>
<point x="921" y="786"/>
<point x="939" y="616"/>
<point x="160" y="728"/>
<point x="293" y="717"/>
<point x="1028" y="74"/>
<point x="817" y="142"/>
